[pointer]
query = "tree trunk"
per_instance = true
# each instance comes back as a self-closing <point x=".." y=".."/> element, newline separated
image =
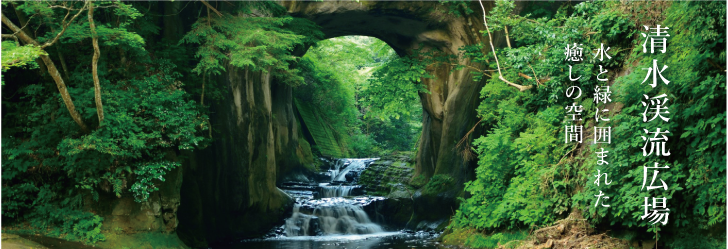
<point x="53" y="71"/>
<point x="202" y="96"/>
<point x="94" y="63"/>
<point x="23" y="23"/>
<point x="63" y="63"/>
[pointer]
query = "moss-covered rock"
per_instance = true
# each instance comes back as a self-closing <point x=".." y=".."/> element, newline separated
<point x="387" y="172"/>
<point x="142" y="241"/>
<point x="16" y="242"/>
<point x="389" y="177"/>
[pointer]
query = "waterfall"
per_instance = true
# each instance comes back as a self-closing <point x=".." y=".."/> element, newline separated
<point x="338" y="217"/>
<point x="336" y="191"/>
<point x="335" y="171"/>
<point x="353" y="164"/>
<point x="324" y="211"/>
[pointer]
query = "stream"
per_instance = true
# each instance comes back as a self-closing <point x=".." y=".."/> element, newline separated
<point x="329" y="213"/>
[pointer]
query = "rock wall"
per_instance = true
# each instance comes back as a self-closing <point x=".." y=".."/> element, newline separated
<point x="155" y="219"/>
<point x="229" y="189"/>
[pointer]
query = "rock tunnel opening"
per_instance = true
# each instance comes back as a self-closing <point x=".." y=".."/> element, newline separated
<point x="229" y="189"/>
<point x="339" y="108"/>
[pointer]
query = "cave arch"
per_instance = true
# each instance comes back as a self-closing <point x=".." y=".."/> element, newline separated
<point x="398" y="24"/>
<point x="229" y="189"/>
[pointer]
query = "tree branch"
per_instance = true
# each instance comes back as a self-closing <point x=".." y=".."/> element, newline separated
<point x="508" y="39"/>
<point x="500" y="74"/>
<point x="464" y="144"/>
<point x="202" y="96"/>
<point x="474" y="68"/>
<point x="63" y="63"/>
<point x="95" y="62"/>
<point x="210" y="7"/>
<point x="52" y="70"/>
<point x="12" y="37"/>
<point x="65" y="26"/>
<point x="715" y="65"/>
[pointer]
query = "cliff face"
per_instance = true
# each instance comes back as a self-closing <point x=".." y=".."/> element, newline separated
<point x="229" y="188"/>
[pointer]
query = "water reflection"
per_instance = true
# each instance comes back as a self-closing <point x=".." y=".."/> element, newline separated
<point x="390" y="240"/>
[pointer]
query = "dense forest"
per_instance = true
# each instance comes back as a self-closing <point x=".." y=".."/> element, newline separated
<point x="176" y="124"/>
<point x="347" y="80"/>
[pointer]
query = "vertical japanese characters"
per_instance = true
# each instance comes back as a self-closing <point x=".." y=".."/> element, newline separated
<point x="602" y="97"/>
<point x="602" y="131"/>
<point x="656" y="110"/>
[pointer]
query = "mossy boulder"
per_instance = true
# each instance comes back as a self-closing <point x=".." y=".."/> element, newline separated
<point x="387" y="172"/>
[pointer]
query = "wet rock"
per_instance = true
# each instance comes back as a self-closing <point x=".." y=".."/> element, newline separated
<point x="434" y="207"/>
<point x="393" y="213"/>
<point x="314" y="227"/>
<point x="430" y="226"/>
<point x="400" y="191"/>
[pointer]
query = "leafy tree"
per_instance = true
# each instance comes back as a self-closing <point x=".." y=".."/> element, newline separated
<point x="338" y="75"/>
<point x="265" y="46"/>
<point x="48" y="165"/>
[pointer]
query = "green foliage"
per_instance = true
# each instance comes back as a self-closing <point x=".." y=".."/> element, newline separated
<point x="49" y="167"/>
<point x="523" y="176"/>
<point x="19" y="56"/>
<point x="394" y="89"/>
<point x="146" y="173"/>
<point x="493" y="241"/>
<point x="14" y="55"/>
<point x="265" y="45"/>
<point x="418" y="181"/>
<point x="61" y="219"/>
<point x="474" y="239"/>
<point x="455" y="8"/>
<point x="692" y="239"/>
<point x="336" y="73"/>
<point x="438" y="183"/>
<point x="696" y="177"/>
<point x="528" y="176"/>
<point x="520" y="179"/>
<point x="72" y="224"/>
<point x="136" y="129"/>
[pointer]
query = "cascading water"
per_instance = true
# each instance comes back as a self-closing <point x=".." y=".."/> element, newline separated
<point x="328" y="191"/>
<point x="352" y="164"/>
<point x="336" y="169"/>
<point x="329" y="216"/>
<point x="330" y="208"/>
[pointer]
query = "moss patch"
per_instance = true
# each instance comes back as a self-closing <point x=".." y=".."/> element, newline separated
<point x="323" y="135"/>
<point x="15" y="241"/>
<point x="438" y="183"/>
<point x="474" y="239"/>
<point x="142" y="241"/>
<point x="383" y="175"/>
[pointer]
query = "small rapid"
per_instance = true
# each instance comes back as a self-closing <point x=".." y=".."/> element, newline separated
<point x="331" y="216"/>
<point x="333" y="211"/>
<point x="333" y="206"/>
<point x="328" y="191"/>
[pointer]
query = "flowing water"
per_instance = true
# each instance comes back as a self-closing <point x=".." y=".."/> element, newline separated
<point x="329" y="213"/>
<point x="330" y="216"/>
<point x="386" y="240"/>
<point x="331" y="210"/>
